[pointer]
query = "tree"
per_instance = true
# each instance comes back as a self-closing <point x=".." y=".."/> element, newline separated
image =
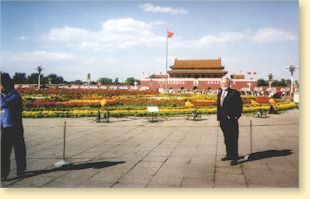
<point x="131" y="81"/>
<point x="20" y="78"/>
<point x="116" y="81"/>
<point x="296" y="82"/>
<point x="261" y="82"/>
<point x="283" y="82"/>
<point x="79" y="82"/>
<point x="278" y="83"/>
<point x="54" y="79"/>
<point x="33" y="78"/>
<point x="275" y="83"/>
<point x="104" y="80"/>
<point x="5" y="74"/>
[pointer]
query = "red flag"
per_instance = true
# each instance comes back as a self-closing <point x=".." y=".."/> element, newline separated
<point x="169" y="34"/>
<point x="254" y="73"/>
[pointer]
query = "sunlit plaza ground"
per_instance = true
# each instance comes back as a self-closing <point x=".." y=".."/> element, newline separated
<point x="173" y="152"/>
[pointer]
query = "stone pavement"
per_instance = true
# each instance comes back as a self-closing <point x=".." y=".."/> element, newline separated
<point x="171" y="153"/>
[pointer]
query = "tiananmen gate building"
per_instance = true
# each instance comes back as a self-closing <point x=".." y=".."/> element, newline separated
<point x="196" y="74"/>
<point x="207" y="68"/>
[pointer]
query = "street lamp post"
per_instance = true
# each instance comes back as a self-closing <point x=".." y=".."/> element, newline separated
<point x="250" y="79"/>
<point x="88" y="80"/>
<point x="39" y="69"/>
<point x="270" y="77"/>
<point x="292" y="68"/>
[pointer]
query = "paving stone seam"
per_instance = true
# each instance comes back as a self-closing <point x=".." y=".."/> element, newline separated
<point x="173" y="126"/>
<point x="269" y="166"/>
<point x="216" y="149"/>
<point x="95" y="159"/>
<point x="90" y="159"/>
<point x="123" y="141"/>
<point x="20" y="179"/>
<point x="92" y="147"/>
<point x="117" y="181"/>
<point x="185" y="134"/>
<point x="69" y="139"/>
<point x="244" y="176"/>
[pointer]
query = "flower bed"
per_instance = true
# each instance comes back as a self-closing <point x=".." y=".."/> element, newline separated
<point x="86" y="103"/>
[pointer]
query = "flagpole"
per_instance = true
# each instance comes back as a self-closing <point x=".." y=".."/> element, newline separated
<point x="167" y="60"/>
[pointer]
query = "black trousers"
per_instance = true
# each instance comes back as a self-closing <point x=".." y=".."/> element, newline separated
<point x="230" y="128"/>
<point x="12" y="137"/>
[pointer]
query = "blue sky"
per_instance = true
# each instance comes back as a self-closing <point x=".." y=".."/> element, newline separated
<point x="128" y="38"/>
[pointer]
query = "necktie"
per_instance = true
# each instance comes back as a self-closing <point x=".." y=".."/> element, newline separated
<point x="223" y="97"/>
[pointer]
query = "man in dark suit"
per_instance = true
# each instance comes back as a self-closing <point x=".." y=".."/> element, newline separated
<point x="229" y="109"/>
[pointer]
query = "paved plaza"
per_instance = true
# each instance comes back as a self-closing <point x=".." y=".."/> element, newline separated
<point x="171" y="153"/>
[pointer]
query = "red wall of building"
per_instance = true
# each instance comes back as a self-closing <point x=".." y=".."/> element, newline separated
<point x="155" y="84"/>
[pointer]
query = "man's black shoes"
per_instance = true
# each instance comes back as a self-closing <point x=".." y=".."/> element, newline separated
<point x="233" y="162"/>
<point x="225" y="158"/>
<point x="20" y="173"/>
<point x="4" y="178"/>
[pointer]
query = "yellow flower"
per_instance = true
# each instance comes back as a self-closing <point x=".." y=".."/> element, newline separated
<point x="189" y="104"/>
<point x="254" y="103"/>
<point x="272" y="101"/>
<point x="103" y="102"/>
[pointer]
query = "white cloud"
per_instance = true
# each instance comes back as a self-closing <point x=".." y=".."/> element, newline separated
<point x="52" y="55"/>
<point x="114" y="34"/>
<point x="21" y="38"/>
<point x="206" y="41"/>
<point x="263" y="35"/>
<point x="124" y="33"/>
<point x="272" y="35"/>
<point x="41" y="56"/>
<point x="68" y="34"/>
<point x="125" y="25"/>
<point x="222" y="38"/>
<point x="69" y="66"/>
<point x="148" y="7"/>
<point x="54" y="62"/>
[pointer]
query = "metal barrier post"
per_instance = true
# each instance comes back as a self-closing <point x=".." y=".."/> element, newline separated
<point x="246" y="157"/>
<point x="63" y="162"/>
<point x="64" y="143"/>
<point x="98" y="117"/>
<point x="251" y="145"/>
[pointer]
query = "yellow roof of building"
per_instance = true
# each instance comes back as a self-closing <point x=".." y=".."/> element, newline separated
<point x="201" y="64"/>
<point x="197" y="72"/>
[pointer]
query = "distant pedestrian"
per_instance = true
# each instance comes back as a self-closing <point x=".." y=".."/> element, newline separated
<point x="229" y="109"/>
<point x="12" y="131"/>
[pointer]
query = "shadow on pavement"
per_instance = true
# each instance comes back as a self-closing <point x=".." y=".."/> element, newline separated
<point x="94" y="165"/>
<point x="197" y="120"/>
<point x="266" y="154"/>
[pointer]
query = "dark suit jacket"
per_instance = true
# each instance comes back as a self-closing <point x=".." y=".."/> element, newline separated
<point x="232" y="105"/>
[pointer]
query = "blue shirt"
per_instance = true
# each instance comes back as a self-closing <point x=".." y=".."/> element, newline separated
<point x="11" y="109"/>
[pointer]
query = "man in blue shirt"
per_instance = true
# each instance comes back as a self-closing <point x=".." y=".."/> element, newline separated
<point x="12" y="132"/>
